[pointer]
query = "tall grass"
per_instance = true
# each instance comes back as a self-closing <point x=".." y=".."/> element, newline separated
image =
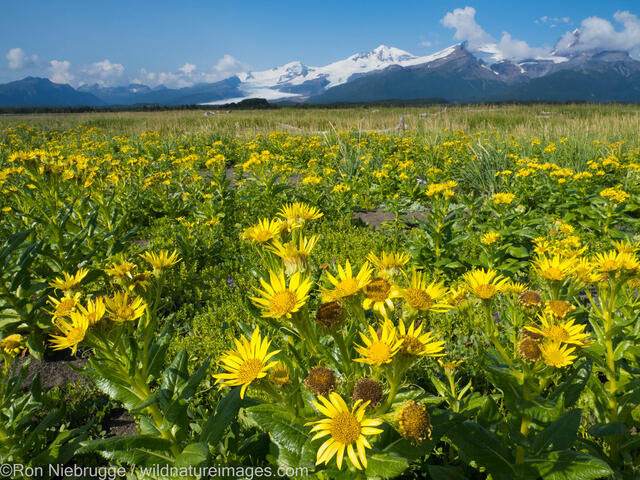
<point x="581" y="123"/>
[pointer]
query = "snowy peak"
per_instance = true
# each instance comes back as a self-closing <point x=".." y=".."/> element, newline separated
<point x="275" y="76"/>
<point x="567" y="42"/>
<point x="381" y="55"/>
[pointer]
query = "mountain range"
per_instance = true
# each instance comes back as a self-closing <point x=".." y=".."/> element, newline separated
<point x="454" y="74"/>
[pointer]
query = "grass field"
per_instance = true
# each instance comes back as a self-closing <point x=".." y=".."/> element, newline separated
<point x="316" y="291"/>
<point x="606" y="122"/>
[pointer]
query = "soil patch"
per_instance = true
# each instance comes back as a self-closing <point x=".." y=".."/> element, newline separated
<point x="54" y="371"/>
<point x="119" y="423"/>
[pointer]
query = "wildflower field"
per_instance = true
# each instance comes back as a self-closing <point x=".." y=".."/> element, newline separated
<point x="318" y="295"/>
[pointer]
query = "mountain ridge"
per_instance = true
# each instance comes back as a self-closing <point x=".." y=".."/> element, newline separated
<point x="454" y="74"/>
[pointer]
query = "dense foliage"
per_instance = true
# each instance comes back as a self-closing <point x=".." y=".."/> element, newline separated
<point x="348" y="305"/>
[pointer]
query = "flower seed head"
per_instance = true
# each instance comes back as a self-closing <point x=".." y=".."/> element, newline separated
<point x="367" y="390"/>
<point x="321" y="380"/>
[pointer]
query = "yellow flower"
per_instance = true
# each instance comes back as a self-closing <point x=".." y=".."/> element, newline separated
<point x="299" y="212"/>
<point x="160" y="261"/>
<point x="389" y="262"/>
<point x="122" y="309"/>
<point x="279" y="375"/>
<point x="347" y="430"/>
<point x="554" y="269"/>
<point x="585" y="271"/>
<point x="616" y="261"/>
<point x="63" y="307"/>
<point x="378" y="294"/>
<point x="69" y="283"/>
<point x="445" y="189"/>
<point x="379" y="349"/>
<point x="421" y="297"/>
<point x="94" y="311"/>
<point x="73" y="332"/>
<point x="277" y="300"/>
<point x="13" y="345"/>
<point x="616" y="195"/>
<point x="485" y="283"/>
<point x="294" y="256"/>
<point x="346" y="284"/>
<point x="263" y="231"/>
<point x="450" y="366"/>
<point x="624" y="246"/>
<point x="565" y="332"/>
<point x="557" y="355"/>
<point x="515" y="288"/>
<point x="490" y="237"/>
<point x="416" y="343"/>
<point x="503" y="198"/>
<point x="247" y="363"/>
<point x="558" y="308"/>
<point x="121" y="270"/>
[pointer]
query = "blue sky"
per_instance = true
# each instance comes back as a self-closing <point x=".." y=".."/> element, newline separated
<point x="171" y="42"/>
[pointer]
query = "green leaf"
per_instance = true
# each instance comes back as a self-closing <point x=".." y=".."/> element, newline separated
<point x="116" y="390"/>
<point x="573" y="386"/>
<point x="158" y="350"/>
<point x="606" y="429"/>
<point x="292" y="440"/>
<point x="569" y="465"/>
<point x="439" y="472"/>
<point x="489" y="412"/>
<point x="518" y="252"/>
<point x="132" y="443"/>
<point x="225" y="414"/>
<point x="193" y="454"/>
<point x="190" y="388"/>
<point x="385" y="465"/>
<point x="176" y="374"/>
<point x="560" y="435"/>
<point x="485" y="448"/>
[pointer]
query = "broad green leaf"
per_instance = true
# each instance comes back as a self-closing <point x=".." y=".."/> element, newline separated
<point x="292" y="440"/>
<point x="193" y="454"/>
<point x="439" y="472"/>
<point x="385" y="465"/>
<point x="569" y="465"/>
<point x="606" y="429"/>
<point x="225" y="414"/>
<point x="573" y="386"/>
<point x="560" y="435"/>
<point x="485" y="448"/>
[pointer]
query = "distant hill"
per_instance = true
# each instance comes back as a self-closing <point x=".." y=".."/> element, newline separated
<point x="33" y="91"/>
<point x="141" y="94"/>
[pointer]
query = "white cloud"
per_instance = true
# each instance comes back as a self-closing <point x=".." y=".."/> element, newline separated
<point x="18" y="59"/>
<point x="103" y="73"/>
<point x="515" y="49"/>
<point x="189" y="75"/>
<point x="188" y="68"/>
<point x="228" y="66"/>
<point x="426" y="43"/>
<point x="59" y="71"/>
<point x="598" y="33"/>
<point x="464" y="22"/>
<point x="552" y="21"/>
<point x="478" y="40"/>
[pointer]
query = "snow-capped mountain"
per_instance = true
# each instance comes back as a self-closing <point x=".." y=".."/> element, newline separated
<point x="569" y="72"/>
<point x="296" y="80"/>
